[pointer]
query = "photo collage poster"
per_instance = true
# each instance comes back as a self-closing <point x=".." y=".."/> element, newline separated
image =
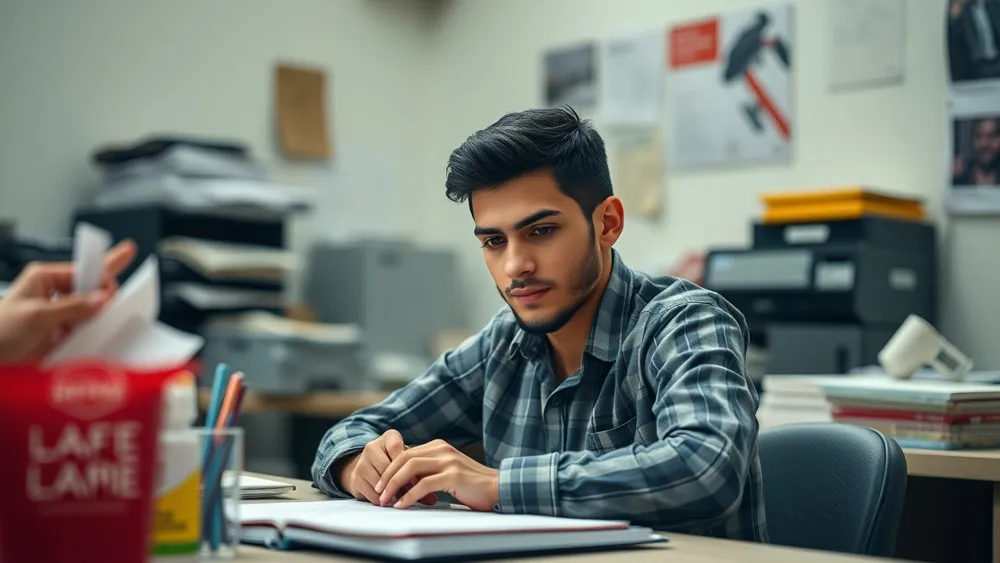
<point x="973" y="50"/>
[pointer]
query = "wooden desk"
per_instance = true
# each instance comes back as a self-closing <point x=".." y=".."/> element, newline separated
<point x="949" y="470"/>
<point x="973" y="465"/>
<point x="939" y="476"/>
<point x="680" y="549"/>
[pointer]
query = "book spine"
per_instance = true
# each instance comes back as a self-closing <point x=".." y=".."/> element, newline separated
<point x="916" y="416"/>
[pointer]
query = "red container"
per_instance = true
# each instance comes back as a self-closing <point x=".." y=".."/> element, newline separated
<point x="79" y="455"/>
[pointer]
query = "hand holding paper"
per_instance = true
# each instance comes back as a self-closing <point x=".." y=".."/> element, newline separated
<point x="41" y="307"/>
<point x="126" y="330"/>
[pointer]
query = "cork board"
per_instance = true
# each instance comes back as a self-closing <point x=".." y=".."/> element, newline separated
<point x="301" y="112"/>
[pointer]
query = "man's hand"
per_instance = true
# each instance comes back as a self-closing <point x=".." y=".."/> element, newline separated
<point x="39" y="310"/>
<point x="438" y="466"/>
<point x="360" y="475"/>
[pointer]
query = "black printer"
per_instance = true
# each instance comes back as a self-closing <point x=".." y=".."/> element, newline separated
<point x="825" y="297"/>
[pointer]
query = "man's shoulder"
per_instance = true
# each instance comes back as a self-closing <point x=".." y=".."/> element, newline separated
<point x="660" y="299"/>
<point x="502" y="326"/>
<point x="497" y="335"/>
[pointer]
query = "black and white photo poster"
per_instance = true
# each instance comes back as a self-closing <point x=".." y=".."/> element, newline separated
<point x="973" y="43"/>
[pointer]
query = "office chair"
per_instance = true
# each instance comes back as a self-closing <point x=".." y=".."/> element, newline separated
<point x="835" y="487"/>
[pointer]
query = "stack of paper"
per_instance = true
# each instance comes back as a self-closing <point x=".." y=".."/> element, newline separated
<point x="793" y="399"/>
<point x="190" y="174"/>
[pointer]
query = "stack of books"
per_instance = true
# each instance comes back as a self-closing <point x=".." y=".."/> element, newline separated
<point x="923" y="414"/>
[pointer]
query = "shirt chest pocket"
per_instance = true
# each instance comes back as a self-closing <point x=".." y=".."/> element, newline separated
<point x="620" y="436"/>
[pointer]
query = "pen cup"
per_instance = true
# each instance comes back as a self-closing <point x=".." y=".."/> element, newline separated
<point x="222" y="463"/>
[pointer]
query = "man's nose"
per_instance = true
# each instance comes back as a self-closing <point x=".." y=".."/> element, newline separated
<point x="519" y="263"/>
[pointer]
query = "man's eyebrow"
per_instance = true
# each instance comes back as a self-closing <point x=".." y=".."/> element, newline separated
<point x="482" y="231"/>
<point x="534" y="217"/>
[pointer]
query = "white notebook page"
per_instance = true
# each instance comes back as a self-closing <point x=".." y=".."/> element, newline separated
<point x="361" y="518"/>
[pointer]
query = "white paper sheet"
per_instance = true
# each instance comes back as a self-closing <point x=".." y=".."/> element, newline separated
<point x="866" y="41"/>
<point x="356" y="517"/>
<point x="127" y="331"/>
<point x="89" y="245"/>
<point x="152" y="345"/>
<point x="638" y="170"/>
<point x="632" y="79"/>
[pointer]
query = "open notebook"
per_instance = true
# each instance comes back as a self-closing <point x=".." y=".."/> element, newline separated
<point x="420" y="532"/>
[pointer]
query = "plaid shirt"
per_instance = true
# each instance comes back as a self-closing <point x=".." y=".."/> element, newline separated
<point x="658" y="427"/>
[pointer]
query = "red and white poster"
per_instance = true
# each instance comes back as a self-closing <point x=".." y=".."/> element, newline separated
<point x="728" y="89"/>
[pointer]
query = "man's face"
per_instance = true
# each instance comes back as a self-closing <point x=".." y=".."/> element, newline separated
<point x="986" y="141"/>
<point x="539" y="248"/>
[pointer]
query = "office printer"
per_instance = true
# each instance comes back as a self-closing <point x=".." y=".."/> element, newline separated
<point x="825" y="297"/>
<point x="281" y="356"/>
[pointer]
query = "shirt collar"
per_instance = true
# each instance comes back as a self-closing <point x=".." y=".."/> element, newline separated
<point x="610" y="322"/>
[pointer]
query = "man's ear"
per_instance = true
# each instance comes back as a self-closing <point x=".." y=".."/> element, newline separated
<point x="609" y="220"/>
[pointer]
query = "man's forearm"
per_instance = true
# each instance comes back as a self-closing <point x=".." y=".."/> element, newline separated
<point x="670" y="483"/>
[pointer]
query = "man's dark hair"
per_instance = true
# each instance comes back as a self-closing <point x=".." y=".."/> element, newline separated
<point x="528" y="141"/>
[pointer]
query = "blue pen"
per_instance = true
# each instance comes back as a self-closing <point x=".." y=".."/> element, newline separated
<point x="213" y="494"/>
<point x="211" y="417"/>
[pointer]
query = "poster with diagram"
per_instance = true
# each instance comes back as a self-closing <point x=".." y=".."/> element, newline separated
<point x="729" y="99"/>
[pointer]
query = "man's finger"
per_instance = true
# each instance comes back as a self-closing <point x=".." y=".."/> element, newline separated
<point x="394" y="466"/>
<point x="393" y="444"/>
<point x="367" y="492"/>
<point x="67" y="310"/>
<point x="363" y="476"/>
<point x="42" y="279"/>
<point x="379" y="460"/>
<point x="413" y="469"/>
<point x="118" y="258"/>
<point x="423" y="489"/>
<point x="430" y="499"/>
<point x="398" y="461"/>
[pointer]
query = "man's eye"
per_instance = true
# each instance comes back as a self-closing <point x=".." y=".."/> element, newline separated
<point x="492" y="242"/>
<point x="542" y="231"/>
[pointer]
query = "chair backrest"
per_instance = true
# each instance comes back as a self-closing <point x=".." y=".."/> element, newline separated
<point x="831" y="486"/>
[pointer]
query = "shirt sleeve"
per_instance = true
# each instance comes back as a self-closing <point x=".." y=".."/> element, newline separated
<point x="694" y="474"/>
<point x="444" y="403"/>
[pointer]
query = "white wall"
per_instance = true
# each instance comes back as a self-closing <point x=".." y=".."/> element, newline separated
<point x="410" y="79"/>
<point x="485" y="60"/>
<point x="76" y="75"/>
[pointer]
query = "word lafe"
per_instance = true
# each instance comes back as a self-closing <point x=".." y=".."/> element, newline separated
<point x="84" y="461"/>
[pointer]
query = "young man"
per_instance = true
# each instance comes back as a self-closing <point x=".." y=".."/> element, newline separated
<point x="597" y="392"/>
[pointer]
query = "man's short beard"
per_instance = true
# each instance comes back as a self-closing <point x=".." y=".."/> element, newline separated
<point x="591" y="272"/>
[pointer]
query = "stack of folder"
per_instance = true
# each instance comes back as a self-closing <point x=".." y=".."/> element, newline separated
<point x="207" y="209"/>
<point x="838" y="204"/>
